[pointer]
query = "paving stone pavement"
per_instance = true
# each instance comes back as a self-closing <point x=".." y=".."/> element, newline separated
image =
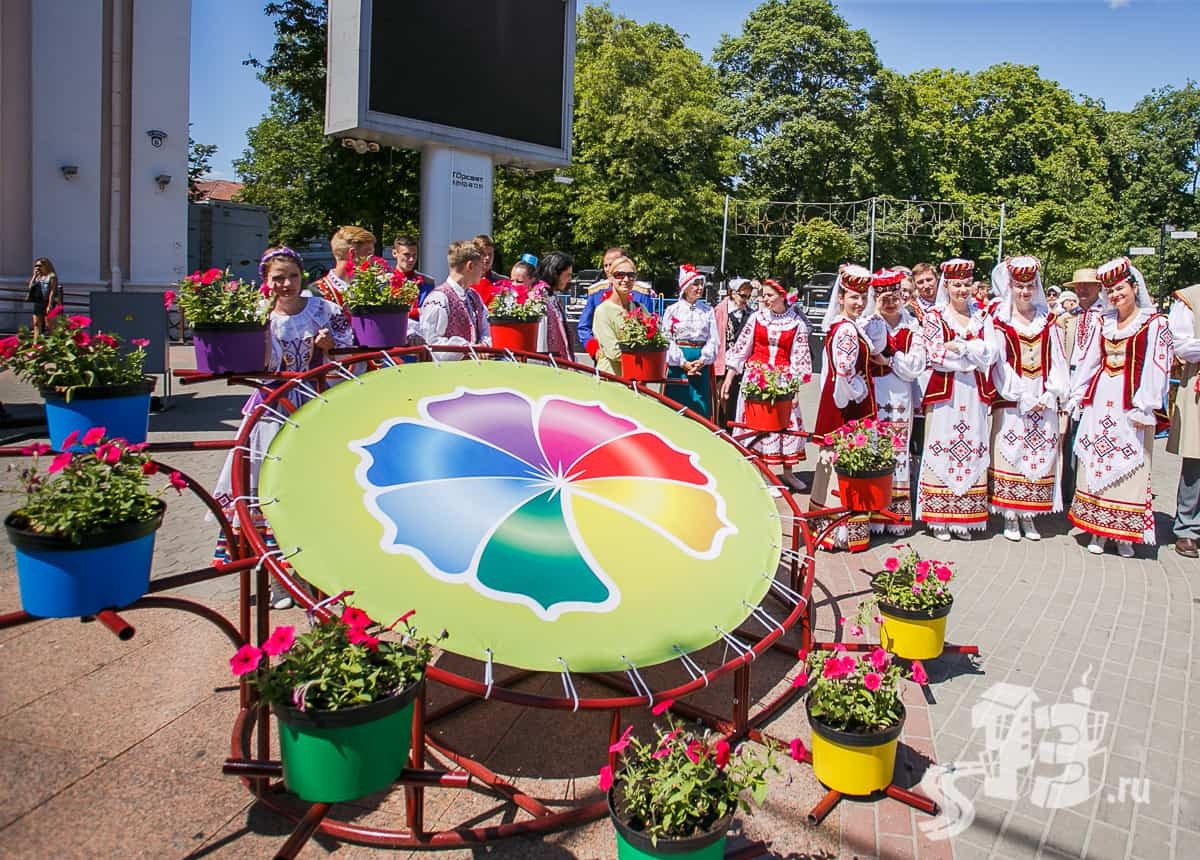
<point x="113" y="749"/>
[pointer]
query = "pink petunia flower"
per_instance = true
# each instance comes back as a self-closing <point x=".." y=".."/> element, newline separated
<point x="695" y="751"/>
<point x="70" y="441"/>
<point x="79" y="321"/>
<point x="798" y="751"/>
<point x="918" y="673"/>
<point x="140" y="341"/>
<point x="169" y="299"/>
<point x="923" y="568"/>
<point x="622" y="741"/>
<point x="879" y="659"/>
<point x="355" y="618"/>
<point x="358" y="636"/>
<point x="834" y="669"/>
<point x="54" y="311"/>
<point x="872" y="680"/>
<point x="606" y="778"/>
<point x="149" y="468"/>
<point x="891" y="564"/>
<point x="943" y="573"/>
<point x="60" y="462"/>
<point x="36" y="449"/>
<point x="178" y="482"/>
<point x="245" y="660"/>
<point x="93" y="436"/>
<point x="721" y="753"/>
<point x="281" y="640"/>
<point x="662" y="752"/>
<point x="855" y="630"/>
<point x="662" y="707"/>
<point x="800" y="680"/>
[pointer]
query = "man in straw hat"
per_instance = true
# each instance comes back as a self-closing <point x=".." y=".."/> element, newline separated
<point x="1077" y="328"/>
<point x="1184" y="322"/>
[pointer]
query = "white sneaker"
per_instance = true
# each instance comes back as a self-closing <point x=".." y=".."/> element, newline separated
<point x="941" y="533"/>
<point x="1031" y="531"/>
<point x="1125" y="548"/>
<point x="280" y="599"/>
<point x="1011" y="530"/>
<point x="1096" y="547"/>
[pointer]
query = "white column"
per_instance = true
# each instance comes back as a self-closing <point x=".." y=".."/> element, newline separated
<point x="159" y="101"/>
<point x="456" y="202"/>
<point x="68" y="53"/>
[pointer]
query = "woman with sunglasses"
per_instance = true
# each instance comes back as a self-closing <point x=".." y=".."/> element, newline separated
<point x="610" y="313"/>
<point x="777" y="335"/>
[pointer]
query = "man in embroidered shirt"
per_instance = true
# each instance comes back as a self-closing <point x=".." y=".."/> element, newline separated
<point x="1185" y="418"/>
<point x="362" y="242"/>
<point x="454" y="314"/>
<point x="404" y="249"/>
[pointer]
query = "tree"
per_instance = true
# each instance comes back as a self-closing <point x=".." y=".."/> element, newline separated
<point x="311" y="183"/>
<point x="199" y="163"/>
<point x="798" y="82"/>
<point x="817" y="245"/>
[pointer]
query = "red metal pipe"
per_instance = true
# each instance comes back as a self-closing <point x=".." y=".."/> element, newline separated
<point x="118" y="625"/>
<point x="911" y="798"/>
<point x="824" y="806"/>
<point x="408" y="776"/>
<point x="304" y="831"/>
<point x="201" y="574"/>
<point x="15" y="619"/>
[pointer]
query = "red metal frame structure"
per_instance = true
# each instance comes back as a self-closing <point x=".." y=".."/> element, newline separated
<point x="254" y="564"/>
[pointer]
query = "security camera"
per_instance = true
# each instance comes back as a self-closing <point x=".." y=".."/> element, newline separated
<point x="69" y="171"/>
<point x="157" y="137"/>
<point x="163" y="180"/>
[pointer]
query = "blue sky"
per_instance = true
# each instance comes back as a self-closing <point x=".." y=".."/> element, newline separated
<point x="1114" y="50"/>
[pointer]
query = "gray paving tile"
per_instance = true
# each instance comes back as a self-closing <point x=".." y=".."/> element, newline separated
<point x="1107" y="842"/>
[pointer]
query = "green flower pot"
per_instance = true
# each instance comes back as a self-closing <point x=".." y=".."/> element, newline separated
<point x="635" y="845"/>
<point x="333" y="756"/>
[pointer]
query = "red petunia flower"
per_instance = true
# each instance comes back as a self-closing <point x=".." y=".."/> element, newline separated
<point x="281" y="640"/>
<point x="93" y="436"/>
<point x="245" y="660"/>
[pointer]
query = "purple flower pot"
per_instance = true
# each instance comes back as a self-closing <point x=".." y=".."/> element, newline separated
<point x="230" y="347"/>
<point x="380" y="328"/>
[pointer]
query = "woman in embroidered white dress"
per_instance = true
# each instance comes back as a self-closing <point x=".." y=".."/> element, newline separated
<point x="301" y="331"/>
<point x="893" y="372"/>
<point x="952" y="492"/>
<point x="692" y="343"/>
<point x="1119" y="384"/>
<point x="1032" y="379"/>
<point x="776" y="335"/>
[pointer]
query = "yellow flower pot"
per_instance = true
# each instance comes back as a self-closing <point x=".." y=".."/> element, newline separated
<point x="913" y="634"/>
<point x="854" y="763"/>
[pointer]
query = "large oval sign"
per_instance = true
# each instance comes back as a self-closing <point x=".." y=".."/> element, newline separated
<point x="539" y="514"/>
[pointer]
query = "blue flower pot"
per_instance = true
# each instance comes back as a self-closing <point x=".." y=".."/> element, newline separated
<point x="122" y="410"/>
<point x="106" y="570"/>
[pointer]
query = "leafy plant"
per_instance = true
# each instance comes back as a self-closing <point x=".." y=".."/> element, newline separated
<point x="865" y="446"/>
<point x="910" y="582"/>
<point x="81" y="494"/>
<point x="374" y="284"/>
<point x="517" y="303"/>
<point x="854" y="694"/>
<point x="763" y="381"/>
<point x="640" y="330"/>
<point x="216" y="297"/>
<point x="338" y="663"/>
<point x="66" y="357"/>
<point x="684" y="782"/>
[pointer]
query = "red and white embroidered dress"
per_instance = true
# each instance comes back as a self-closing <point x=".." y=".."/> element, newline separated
<point x="895" y="397"/>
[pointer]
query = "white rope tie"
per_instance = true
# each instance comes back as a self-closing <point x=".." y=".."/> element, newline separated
<point x="568" y="684"/>
<point x="487" y="673"/>
<point x="633" y="384"/>
<point x="763" y="617"/>
<point x="328" y="601"/>
<point x="310" y="391"/>
<point x="553" y="363"/>
<point x="346" y="373"/>
<point x="639" y="683"/>
<point x="255" y="455"/>
<point x="596" y="374"/>
<point x="793" y="596"/>
<point x="740" y="647"/>
<point x="280" y="415"/>
<point x="474" y="354"/>
<point x="388" y="360"/>
<point x="511" y="356"/>
<point x="433" y="356"/>
<point x="692" y="667"/>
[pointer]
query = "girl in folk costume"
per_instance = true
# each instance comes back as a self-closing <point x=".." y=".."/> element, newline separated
<point x="777" y="335"/>
<point x="1032" y="377"/>
<point x="846" y="390"/>
<point x="893" y="374"/>
<point x="555" y="271"/>
<point x="693" y="340"/>
<point x="952" y="493"/>
<point x="1120" y="383"/>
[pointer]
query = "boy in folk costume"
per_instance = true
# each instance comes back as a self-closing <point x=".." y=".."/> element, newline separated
<point x="1184" y="322"/>
<point x="1032" y="378"/>
<point x="1119" y="385"/>
<point x="893" y="374"/>
<point x="952" y="494"/>
<point x="846" y="391"/>
<point x="345" y="241"/>
<point x="454" y="314"/>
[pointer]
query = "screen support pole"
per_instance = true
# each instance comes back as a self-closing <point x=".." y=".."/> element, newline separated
<point x="456" y="202"/>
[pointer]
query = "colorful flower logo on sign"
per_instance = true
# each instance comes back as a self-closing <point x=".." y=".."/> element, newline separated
<point x="493" y="489"/>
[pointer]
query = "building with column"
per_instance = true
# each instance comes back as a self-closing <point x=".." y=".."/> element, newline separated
<point x="93" y="143"/>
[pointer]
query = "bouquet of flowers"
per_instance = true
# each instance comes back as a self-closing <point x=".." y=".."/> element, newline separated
<point x="762" y="381"/>
<point x="338" y="663"/>
<point x="84" y="494"/>
<point x="511" y="302"/>
<point x="216" y="297"/>
<point x="865" y="446"/>
<point x="684" y="782"/>
<point x="910" y="582"/>
<point x="373" y="284"/>
<point x="66" y="357"/>
<point x="640" y="330"/>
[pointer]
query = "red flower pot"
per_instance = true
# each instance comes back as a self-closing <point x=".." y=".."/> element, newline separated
<point x="868" y="491"/>
<point x="768" y="415"/>
<point x="644" y="365"/>
<point x="518" y="336"/>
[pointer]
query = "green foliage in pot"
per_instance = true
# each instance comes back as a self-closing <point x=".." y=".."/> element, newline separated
<point x="66" y="356"/>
